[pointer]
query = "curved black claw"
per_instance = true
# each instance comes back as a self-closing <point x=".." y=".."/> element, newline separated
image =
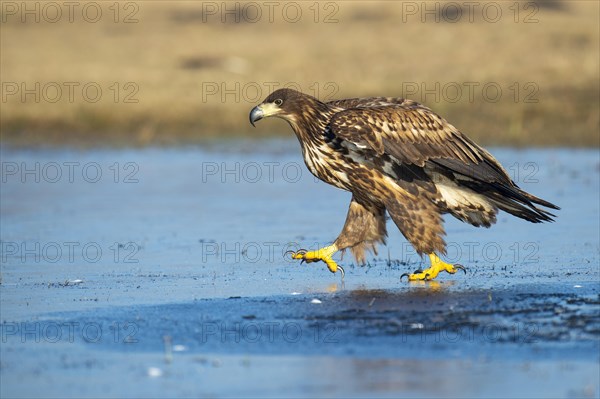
<point x="298" y="252"/>
<point x="408" y="275"/>
<point x="460" y="267"/>
<point x="341" y="269"/>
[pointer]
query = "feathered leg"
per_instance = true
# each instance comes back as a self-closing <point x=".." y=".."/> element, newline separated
<point x="364" y="229"/>
<point x="422" y="226"/>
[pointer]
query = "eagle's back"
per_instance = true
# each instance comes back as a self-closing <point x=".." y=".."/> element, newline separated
<point x="406" y="141"/>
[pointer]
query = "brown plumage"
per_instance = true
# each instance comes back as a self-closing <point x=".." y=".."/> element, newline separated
<point x="397" y="155"/>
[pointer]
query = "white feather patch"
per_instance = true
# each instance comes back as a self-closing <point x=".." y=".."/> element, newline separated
<point x="458" y="197"/>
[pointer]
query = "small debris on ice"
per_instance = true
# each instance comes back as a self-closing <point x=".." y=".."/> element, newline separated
<point x="154" y="372"/>
<point x="68" y="283"/>
<point x="316" y="301"/>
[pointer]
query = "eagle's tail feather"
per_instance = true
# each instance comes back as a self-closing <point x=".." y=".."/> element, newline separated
<point x="521" y="204"/>
<point x="539" y="201"/>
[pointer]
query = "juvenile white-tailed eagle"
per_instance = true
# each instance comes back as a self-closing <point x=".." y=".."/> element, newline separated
<point x="397" y="155"/>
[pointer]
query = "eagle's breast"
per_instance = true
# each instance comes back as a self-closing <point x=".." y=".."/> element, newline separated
<point x="323" y="163"/>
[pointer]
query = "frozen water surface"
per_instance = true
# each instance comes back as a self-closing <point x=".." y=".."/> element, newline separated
<point x="160" y="272"/>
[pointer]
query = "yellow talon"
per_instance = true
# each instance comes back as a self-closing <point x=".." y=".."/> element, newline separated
<point x="437" y="266"/>
<point x="324" y="255"/>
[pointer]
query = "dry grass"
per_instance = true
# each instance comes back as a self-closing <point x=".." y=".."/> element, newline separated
<point x="177" y="50"/>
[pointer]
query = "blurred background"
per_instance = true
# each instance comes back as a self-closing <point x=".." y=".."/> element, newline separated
<point x="174" y="72"/>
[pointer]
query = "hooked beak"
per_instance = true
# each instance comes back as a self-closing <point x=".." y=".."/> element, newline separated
<point x="256" y="114"/>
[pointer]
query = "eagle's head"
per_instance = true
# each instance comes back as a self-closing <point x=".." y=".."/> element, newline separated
<point x="282" y="103"/>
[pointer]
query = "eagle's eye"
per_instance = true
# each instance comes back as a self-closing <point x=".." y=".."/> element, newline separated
<point x="278" y="102"/>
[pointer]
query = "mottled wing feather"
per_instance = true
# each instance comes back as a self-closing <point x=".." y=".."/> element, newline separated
<point x="413" y="134"/>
